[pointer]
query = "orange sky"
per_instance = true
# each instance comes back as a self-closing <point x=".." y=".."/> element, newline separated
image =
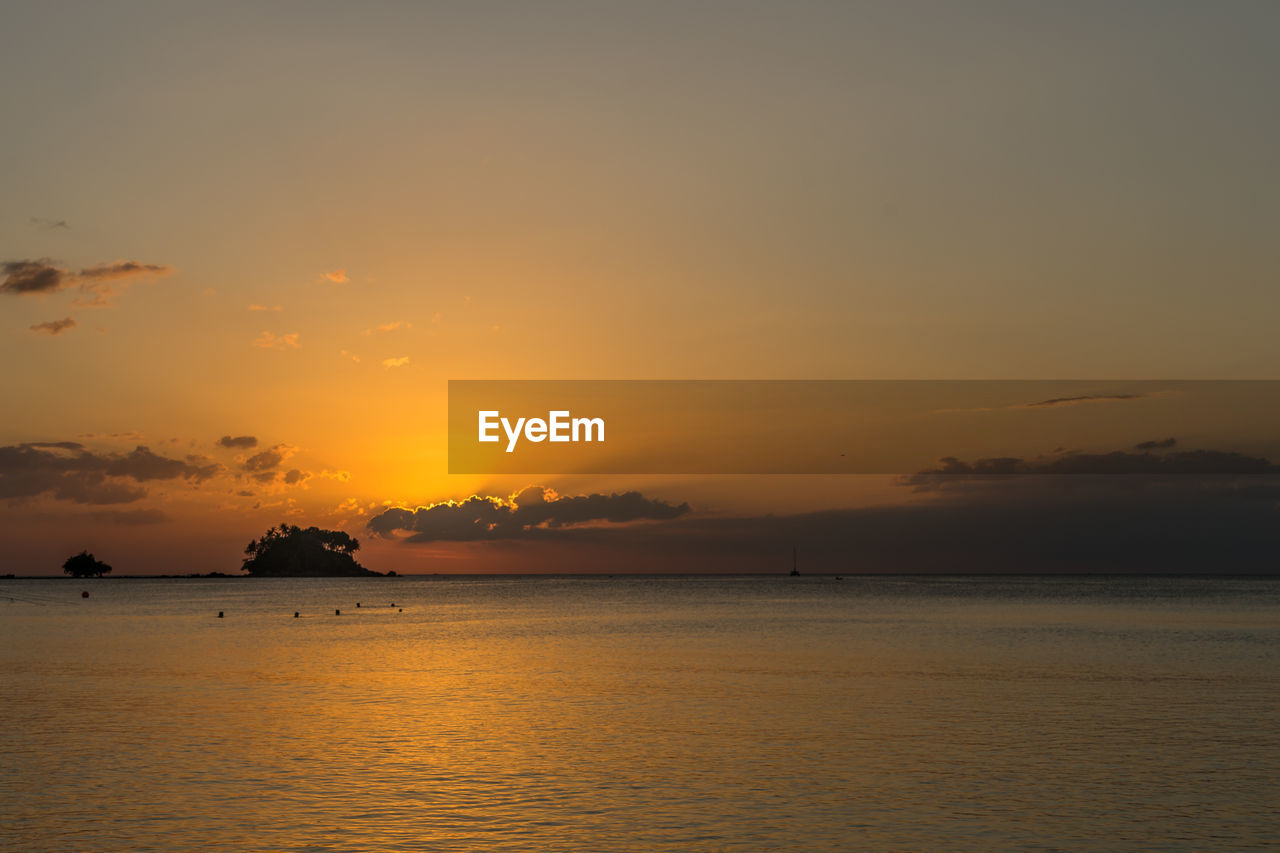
<point x="297" y="224"/>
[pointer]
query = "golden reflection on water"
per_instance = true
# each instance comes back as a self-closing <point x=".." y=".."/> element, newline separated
<point x="694" y="713"/>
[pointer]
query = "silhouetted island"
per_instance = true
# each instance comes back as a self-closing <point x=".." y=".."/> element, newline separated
<point x="293" y="552"/>
<point x="84" y="565"/>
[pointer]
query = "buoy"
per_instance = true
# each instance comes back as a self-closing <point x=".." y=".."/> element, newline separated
<point x="84" y="594"/>
<point x="337" y="612"/>
<point x="401" y="610"/>
<point x="393" y="604"/>
<point x="219" y="614"/>
<point x="295" y="614"/>
<point x="357" y="604"/>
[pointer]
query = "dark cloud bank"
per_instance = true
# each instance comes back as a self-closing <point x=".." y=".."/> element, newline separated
<point x="532" y="513"/>
<point x="54" y="327"/>
<point x="69" y="471"/>
<point x="46" y="276"/>
<point x="1193" y="511"/>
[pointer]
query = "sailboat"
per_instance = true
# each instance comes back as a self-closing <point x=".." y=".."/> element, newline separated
<point x="794" y="571"/>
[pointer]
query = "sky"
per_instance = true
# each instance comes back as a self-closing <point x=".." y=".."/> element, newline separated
<point x="294" y="223"/>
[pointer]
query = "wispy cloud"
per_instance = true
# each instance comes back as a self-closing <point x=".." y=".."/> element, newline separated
<point x="49" y="224"/>
<point x="256" y="307"/>
<point x="123" y="269"/>
<point x="238" y="441"/>
<point x="1193" y="462"/>
<point x="101" y="283"/>
<point x="270" y="340"/>
<point x="133" y="436"/>
<point x="1078" y="400"/>
<point x="1059" y="402"/>
<point x="54" y="327"/>
<point x="97" y="283"/>
<point x="270" y="458"/>
<point x="338" y="276"/>
<point x="395" y="362"/>
<point x="350" y="506"/>
<point x="389" y="327"/>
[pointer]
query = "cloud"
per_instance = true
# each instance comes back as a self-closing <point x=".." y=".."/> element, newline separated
<point x="350" y="506"/>
<point x="45" y="276"/>
<point x="532" y="512"/>
<point x="99" y="284"/>
<point x="395" y="362"/>
<point x="295" y="477"/>
<point x="54" y="327"/>
<point x="1220" y="516"/>
<point x="122" y="269"/>
<point x="1205" y="524"/>
<point x="32" y="276"/>
<point x="49" y="224"/>
<point x="96" y="282"/>
<point x="1083" y="398"/>
<point x="256" y="307"/>
<point x="142" y="465"/>
<point x="338" y="276"/>
<point x="349" y="355"/>
<point x="54" y="445"/>
<point x="74" y="446"/>
<point x="69" y="471"/>
<point x="389" y="327"/>
<point x="1156" y="445"/>
<point x="1187" y="462"/>
<point x="1058" y="402"/>
<point x="241" y="441"/>
<point x="340" y="476"/>
<point x="269" y="458"/>
<point x="1111" y="527"/>
<point x="270" y="340"/>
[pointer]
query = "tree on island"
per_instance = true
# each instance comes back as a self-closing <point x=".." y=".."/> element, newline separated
<point x="291" y="551"/>
<point x="84" y="565"/>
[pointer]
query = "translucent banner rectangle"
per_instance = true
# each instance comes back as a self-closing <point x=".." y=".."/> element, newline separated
<point x="862" y="426"/>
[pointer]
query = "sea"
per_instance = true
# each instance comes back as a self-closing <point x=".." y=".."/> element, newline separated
<point x="640" y="713"/>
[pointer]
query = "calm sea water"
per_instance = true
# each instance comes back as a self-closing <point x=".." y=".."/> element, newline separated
<point x="640" y="714"/>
